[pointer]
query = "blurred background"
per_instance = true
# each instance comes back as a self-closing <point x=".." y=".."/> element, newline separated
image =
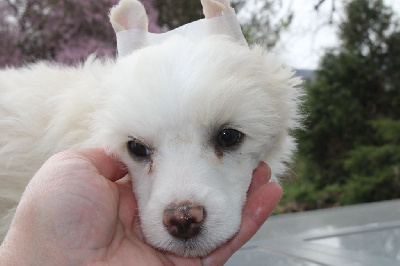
<point x="348" y="51"/>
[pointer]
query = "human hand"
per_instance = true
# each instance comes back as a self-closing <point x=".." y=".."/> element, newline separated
<point x="77" y="211"/>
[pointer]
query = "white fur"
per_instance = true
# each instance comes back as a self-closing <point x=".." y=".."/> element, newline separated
<point x="122" y="17"/>
<point x="215" y="8"/>
<point x="174" y="97"/>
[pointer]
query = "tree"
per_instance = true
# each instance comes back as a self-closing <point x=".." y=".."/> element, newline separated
<point x="374" y="168"/>
<point x="68" y="31"/>
<point x="173" y="14"/>
<point x="64" y="31"/>
<point x="352" y="148"/>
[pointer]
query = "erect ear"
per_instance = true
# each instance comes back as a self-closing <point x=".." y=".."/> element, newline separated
<point x="215" y="8"/>
<point x="128" y="14"/>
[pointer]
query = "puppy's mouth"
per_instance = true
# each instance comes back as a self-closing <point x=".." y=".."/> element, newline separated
<point x="197" y="246"/>
<point x="186" y="225"/>
<point x="189" y="229"/>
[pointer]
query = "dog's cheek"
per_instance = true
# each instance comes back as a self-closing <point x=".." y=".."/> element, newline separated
<point x="141" y="182"/>
<point x="233" y="184"/>
<point x="237" y="174"/>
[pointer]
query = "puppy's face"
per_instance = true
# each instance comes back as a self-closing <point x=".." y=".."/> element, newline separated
<point x="191" y="122"/>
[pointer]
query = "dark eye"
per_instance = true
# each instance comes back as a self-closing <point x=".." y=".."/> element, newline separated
<point x="138" y="149"/>
<point x="229" y="137"/>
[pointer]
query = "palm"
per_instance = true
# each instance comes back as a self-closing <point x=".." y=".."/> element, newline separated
<point x="115" y="234"/>
<point x="83" y="213"/>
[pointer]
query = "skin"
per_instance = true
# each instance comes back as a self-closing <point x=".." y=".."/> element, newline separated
<point x="77" y="211"/>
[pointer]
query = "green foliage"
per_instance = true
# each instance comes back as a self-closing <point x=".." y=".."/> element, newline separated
<point x="366" y="28"/>
<point x="387" y="130"/>
<point x="303" y="195"/>
<point x="264" y="26"/>
<point x="351" y="151"/>
<point x="375" y="169"/>
<point x="174" y="13"/>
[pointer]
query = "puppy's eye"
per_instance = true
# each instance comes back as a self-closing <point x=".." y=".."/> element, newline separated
<point x="138" y="149"/>
<point x="229" y="137"/>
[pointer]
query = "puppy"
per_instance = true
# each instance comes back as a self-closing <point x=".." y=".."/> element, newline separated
<point x="191" y="120"/>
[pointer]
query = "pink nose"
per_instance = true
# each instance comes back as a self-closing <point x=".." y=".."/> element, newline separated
<point x="184" y="220"/>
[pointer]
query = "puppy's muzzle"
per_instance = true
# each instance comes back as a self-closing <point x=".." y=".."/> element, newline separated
<point x="184" y="220"/>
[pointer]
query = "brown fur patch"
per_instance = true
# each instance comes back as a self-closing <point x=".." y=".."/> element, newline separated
<point x="151" y="168"/>
<point x="219" y="153"/>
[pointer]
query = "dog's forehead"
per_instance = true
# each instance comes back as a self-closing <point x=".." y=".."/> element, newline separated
<point x="183" y="62"/>
<point x="192" y="89"/>
<point x="182" y="79"/>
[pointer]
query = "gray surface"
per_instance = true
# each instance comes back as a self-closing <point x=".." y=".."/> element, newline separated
<point x="261" y="257"/>
<point x="366" y="234"/>
<point x="383" y="243"/>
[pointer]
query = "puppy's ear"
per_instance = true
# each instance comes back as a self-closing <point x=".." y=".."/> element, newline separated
<point x="128" y="14"/>
<point x="215" y="8"/>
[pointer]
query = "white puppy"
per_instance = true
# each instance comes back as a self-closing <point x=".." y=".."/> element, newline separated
<point x="191" y="121"/>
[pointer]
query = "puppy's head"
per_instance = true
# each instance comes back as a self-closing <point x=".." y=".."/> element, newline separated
<point x="192" y="120"/>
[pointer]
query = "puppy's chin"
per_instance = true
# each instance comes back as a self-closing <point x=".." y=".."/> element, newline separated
<point x="196" y="247"/>
<point x="199" y="246"/>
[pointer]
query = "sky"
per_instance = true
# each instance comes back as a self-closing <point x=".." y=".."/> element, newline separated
<point x="309" y="35"/>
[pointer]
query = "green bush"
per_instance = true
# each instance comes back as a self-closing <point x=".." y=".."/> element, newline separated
<point x="351" y="151"/>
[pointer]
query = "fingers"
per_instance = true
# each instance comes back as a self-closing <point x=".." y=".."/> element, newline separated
<point x="261" y="204"/>
<point x="258" y="208"/>
<point x="108" y="166"/>
<point x="261" y="176"/>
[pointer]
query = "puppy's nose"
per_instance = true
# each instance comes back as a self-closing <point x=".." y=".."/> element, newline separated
<point x="184" y="220"/>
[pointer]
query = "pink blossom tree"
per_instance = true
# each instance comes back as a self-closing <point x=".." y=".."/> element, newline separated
<point x="64" y="31"/>
<point x="69" y="30"/>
